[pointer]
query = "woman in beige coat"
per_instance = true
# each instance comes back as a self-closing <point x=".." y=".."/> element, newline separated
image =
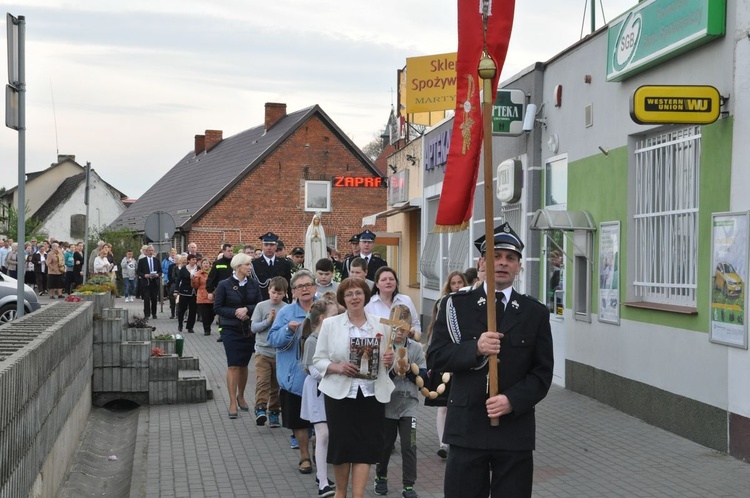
<point x="55" y="271"/>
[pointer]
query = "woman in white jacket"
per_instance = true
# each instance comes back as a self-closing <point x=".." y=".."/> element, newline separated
<point x="355" y="406"/>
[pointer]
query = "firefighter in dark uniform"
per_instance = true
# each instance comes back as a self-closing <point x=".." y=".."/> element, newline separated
<point x="366" y="243"/>
<point x="220" y="270"/>
<point x="485" y="460"/>
<point x="269" y="265"/>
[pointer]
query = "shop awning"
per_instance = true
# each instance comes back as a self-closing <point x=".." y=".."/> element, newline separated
<point x="401" y="207"/>
<point x="567" y="221"/>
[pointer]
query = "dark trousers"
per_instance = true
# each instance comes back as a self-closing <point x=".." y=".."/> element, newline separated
<point x="206" y="312"/>
<point x="41" y="282"/>
<point x="482" y="473"/>
<point x="406" y="427"/>
<point x="69" y="281"/>
<point x="172" y="302"/>
<point x="186" y="303"/>
<point x="150" y="293"/>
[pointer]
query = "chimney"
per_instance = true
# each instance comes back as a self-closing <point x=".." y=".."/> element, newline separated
<point x="213" y="137"/>
<point x="200" y="144"/>
<point x="274" y="112"/>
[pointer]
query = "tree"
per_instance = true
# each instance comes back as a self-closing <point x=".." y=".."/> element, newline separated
<point x="32" y="225"/>
<point x="375" y="147"/>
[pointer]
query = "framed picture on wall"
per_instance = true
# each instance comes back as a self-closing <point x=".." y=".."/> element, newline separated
<point x="609" y="272"/>
<point x="318" y="196"/>
<point x="729" y="274"/>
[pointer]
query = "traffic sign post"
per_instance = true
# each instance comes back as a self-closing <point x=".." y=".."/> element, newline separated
<point x="15" y="118"/>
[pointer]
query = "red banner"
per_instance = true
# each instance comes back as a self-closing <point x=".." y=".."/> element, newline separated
<point x="457" y="198"/>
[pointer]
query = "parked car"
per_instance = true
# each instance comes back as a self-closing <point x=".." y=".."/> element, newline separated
<point x="8" y="298"/>
<point x="727" y="280"/>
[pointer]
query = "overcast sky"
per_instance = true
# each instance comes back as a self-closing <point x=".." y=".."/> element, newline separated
<point x="133" y="81"/>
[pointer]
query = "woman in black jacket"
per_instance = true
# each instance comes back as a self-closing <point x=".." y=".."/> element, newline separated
<point x="183" y="289"/>
<point x="234" y="301"/>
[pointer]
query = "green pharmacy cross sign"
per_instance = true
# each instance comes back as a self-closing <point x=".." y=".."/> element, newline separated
<point x="507" y="113"/>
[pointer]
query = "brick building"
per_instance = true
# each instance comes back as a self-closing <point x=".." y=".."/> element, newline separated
<point x="272" y="177"/>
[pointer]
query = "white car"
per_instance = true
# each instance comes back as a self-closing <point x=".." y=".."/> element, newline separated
<point x="8" y="298"/>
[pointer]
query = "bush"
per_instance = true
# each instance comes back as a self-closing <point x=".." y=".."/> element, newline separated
<point x="98" y="283"/>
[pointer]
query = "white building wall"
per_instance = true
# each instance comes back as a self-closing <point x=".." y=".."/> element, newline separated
<point x="104" y="208"/>
<point x="739" y="363"/>
<point x="673" y="359"/>
<point x="39" y="189"/>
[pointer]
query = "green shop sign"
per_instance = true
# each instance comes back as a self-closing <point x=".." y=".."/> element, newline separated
<point x="507" y="113"/>
<point x="658" y="30"/>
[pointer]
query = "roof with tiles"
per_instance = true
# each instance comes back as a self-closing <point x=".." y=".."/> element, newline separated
<point x="227" y="163"/>
<point x="63" y="193"/>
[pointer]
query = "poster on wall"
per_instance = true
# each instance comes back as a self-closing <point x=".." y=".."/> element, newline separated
<point x="729" y="262"/>
<point x="609" y="272"/>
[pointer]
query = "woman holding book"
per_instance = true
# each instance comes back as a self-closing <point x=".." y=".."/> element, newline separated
<point x="355" y="406"/>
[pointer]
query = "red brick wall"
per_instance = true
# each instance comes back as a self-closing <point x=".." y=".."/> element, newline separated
<point x="272" y="197"/>
<point x="212" y="138"/>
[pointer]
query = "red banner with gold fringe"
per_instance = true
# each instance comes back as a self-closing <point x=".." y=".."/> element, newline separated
<point x="462" y="169"/>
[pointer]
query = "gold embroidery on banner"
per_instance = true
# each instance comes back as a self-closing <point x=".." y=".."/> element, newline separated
<point x="467" y="122"/>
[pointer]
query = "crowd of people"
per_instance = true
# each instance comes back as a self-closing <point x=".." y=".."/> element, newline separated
<point x="331" y="360"/>
<point x="51" y="267"/>
<point x="339" y="353"/>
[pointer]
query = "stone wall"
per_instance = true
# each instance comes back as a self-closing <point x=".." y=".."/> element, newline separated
<point x="45" y="396"/>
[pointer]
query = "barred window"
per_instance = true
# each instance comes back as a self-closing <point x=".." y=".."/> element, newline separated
<point x="666" y="217"/>
<point x="429" y="264"/>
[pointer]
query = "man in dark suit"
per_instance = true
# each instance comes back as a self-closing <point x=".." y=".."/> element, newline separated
<point x="270" y="265"/>
<point x="483" y="459"/>
<point x="149" y="272"/>
<point x="366" y="244"/>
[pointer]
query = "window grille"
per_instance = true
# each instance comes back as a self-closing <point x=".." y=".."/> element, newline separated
<point x="429" y="264"/>
<point x="457" y="252"/>
<point x="666" y="217"/>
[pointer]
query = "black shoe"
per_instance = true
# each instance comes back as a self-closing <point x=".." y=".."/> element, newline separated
<point x="171" y="317"/>
<point x="330" y="482"/>
<point x="327" y="491"/>
<point x="219" y="339"/>
<point x="179" y="329"/>
<point x="206" y="333"/>
<point x="191" y="331"/>
<point x="153" y="316"/>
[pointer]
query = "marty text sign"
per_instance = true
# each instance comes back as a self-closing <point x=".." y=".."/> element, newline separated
<point x="431" y="83"/>
<point x="675" y="104"/>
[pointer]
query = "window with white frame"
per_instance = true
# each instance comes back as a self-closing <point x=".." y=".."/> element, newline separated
<point x="318" y="196"/>
<point x="666" y="216"/>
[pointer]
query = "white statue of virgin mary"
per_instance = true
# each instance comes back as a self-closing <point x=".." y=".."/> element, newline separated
<point x="315" y="243"/>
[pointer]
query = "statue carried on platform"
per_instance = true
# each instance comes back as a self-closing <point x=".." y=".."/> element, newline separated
<point x="315" y="243"/>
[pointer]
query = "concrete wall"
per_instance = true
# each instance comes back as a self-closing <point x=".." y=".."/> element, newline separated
<point x="45" y="388"/>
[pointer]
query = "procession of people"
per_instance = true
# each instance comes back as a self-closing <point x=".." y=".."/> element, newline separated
<point x="351" y="370"/>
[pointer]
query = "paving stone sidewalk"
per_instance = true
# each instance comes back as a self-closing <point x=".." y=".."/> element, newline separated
<point x="584" y="448"/>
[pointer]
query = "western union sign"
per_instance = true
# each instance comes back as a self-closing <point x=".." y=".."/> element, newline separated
<point x="675" y="105"/>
